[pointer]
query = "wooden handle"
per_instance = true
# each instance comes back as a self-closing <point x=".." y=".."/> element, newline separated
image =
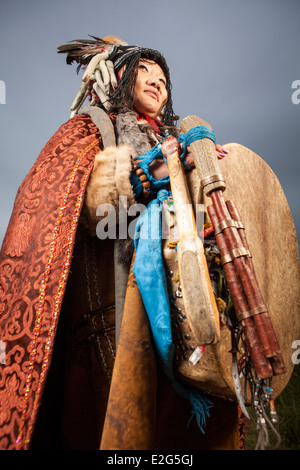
<point x="197" y="293"/>
<point x="205" y="157"/>
<point x="182" y="201"/>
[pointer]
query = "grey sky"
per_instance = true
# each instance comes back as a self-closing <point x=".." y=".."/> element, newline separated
<point x="232" y="63"/>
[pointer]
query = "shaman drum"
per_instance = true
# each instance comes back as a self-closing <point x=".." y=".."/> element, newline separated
<point x="272" y="241"/>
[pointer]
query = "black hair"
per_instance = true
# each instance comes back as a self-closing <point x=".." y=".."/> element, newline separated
<point x="83" y="50"/>
<point x="124" y="93"/>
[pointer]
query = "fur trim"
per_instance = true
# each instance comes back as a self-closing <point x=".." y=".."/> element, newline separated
<point x="129" y="133"/>
<point x="122" y="175"/>
<point x="110" y="179"/>
<point x="101" y="188"/>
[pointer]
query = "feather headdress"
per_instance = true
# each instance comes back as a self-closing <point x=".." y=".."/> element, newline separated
<point x="101" y="60"/>
<point x="83" y="50"/>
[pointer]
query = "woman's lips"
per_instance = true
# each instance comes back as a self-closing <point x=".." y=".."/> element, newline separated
<point x="152" y="93"/>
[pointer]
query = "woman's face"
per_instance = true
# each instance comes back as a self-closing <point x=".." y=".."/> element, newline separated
<point x="150" y="94"/>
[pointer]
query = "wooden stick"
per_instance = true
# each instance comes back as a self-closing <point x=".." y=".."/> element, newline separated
<point x="261" y="364"/>
<point x="198" y="296"/>
<point x="240" y="227"/>
<point x="253" y="294"/>
<point x="276" y="359"/>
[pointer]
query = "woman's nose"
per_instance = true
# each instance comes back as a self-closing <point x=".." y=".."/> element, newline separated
<point x="153" y="81"/>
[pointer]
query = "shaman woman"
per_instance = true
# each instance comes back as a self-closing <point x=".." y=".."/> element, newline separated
<point x="81" y="369"/>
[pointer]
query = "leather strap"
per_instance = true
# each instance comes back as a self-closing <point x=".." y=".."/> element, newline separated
<point x="103" y="122"/>
<point x="107" y="131"/>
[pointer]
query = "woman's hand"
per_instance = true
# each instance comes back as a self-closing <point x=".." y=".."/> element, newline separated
<point x="159" y="169"/>
<point x="221" y="152"/>
<point x="189" y="158"/>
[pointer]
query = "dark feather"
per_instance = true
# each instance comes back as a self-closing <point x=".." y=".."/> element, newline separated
<point x="82" y="50"/>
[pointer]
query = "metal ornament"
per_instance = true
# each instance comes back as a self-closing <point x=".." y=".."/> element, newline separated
<point x="238" y="385"/>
